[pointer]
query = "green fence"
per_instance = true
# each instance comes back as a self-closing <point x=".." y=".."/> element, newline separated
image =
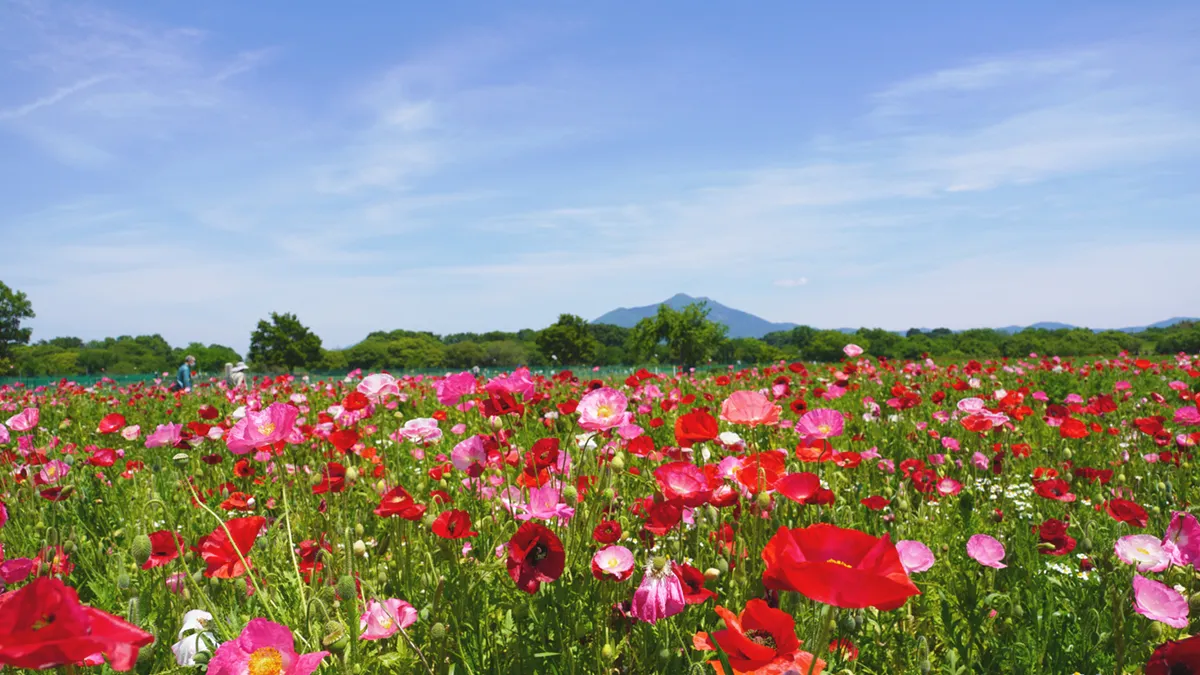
<point x="125" y="380"/>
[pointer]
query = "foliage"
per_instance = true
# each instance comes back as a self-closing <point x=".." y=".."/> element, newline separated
<point x="908" y="464"/>
<point x="284" y="343"/>
<point x="14" y="309"/>
<point x="689" y="336"/>
<point x="569" y="341"/>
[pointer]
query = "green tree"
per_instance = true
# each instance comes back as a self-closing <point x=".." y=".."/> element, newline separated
<point x="464" y="355"/>
<point x="569" y="342"/>
<point x="14" y="308"/>
<point x="284" y="343"/>
<point x="690" y="337"/>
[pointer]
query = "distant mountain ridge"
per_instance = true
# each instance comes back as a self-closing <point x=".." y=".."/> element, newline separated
<point x="745" y="324"/>
<point x="741" y="324"/>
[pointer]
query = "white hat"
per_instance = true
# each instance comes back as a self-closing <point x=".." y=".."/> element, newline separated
<point x="241" y="365"/>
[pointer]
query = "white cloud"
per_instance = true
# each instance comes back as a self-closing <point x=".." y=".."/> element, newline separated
<point x="792" y="283"/>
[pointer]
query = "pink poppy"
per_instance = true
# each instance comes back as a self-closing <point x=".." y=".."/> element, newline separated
<point x="384" y="619"/>
<point x="1159" y="602"/>
<point x="519" y="382"/>
<point x="1143" y="550"/>
<point x="4" y="437"/>
<point x="378" y="387"/>
<point x="821" y="423"/>
<point x="544" y="503"/>
<point x="1187" y="416"/>
<point x="131" y="432"/>
<point x="165" y="435"/>
<point x="53" y="471"/>
<point x="971" y="405"/>
<point x="852" y="351"/>
<point x="914" y="556"/>
<point x="660" y="594"/>
<point x="260" y="428"/>
<point x="750" y="408"/>
<point x="263" y="647"/>
<point x="1182" y="539"/>
<point x="986" y="550"/>
<point x="469" y="455"/>
<point x="423" y="431"/>
<point x="602" y="409"/>
<point x="981" y="461"/>
<point x="613" y="561"/>
<point x="452" y="388"/>
<point x="25" y="420"/>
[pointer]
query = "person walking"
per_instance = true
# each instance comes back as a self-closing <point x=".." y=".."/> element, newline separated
<point x="183" y="377"/>
<point x="237" y="375"/>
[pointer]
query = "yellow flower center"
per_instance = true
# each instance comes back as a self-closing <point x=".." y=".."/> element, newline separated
<point x="824" y="428"/>
<point x="51" y="470"/>
<point x="838" y="562"/>
<point x="266" y="661"/>
<point x="1143" y="551"/>
<point x="604" y="411"/>
<point x="612" y="562"/>
<point x="386" y="622"/>
<point x="266" y="429"/>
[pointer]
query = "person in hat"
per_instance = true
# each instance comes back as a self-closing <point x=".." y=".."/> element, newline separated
<point x="237" y="375"/>
<point x="183" y="376"/>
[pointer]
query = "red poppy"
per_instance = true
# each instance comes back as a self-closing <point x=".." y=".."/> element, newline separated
<point x="1177" y="657"/>
<point x="641" y="446"/>
<point x="661" y="517"/>
<point x="682" y="483"/>
<point x="220" y="551"/>
<point x="397" y="502"/>
<point x="103" y="457"/>
<point x="607" y="532"/>
<point x="1072" y="428"/>
<point x="344" y="439"/>
<point x="1057" y="489"/>
<point x="500" y="403"/>
<point x="761" y="640"/>
<point x="453" y="524"/>
<point x="535" y="556"/>
<point x="207" y="412"/>
<point x="840" y="567"/>
<point x="164" y="547"/>
<point x="43" y="625"/>
<point x="692" y="580"/>
<point x="799" y="487"/>
<point x="111" y="423"/>
<point x="1054" y="533"/>
<point x="695" y="427"/>
<point x="333" y="479"/>
<point x="875" y="503"/>
<point x="243" y="468"/>
<point x="355" y="400"/>
<point x="1128" y="512"/>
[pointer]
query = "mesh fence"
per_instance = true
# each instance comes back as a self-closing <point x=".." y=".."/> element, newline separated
<point x="125" y="380"/>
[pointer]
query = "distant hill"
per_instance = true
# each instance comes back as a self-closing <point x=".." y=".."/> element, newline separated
<point x="744" y="324"/>
<point x="741" y="324"/>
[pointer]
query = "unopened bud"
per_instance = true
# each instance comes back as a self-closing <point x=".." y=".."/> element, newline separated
<point x="360" y="548"/>
<point x="352" y="474"/>
<point x="140" y="549"/>
<point x="346" y="588"/>
<point x="712" y="574"/>
<point x="437" y="631"/>
<point x="570" y="493"/>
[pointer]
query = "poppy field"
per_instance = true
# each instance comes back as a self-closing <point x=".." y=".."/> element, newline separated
<point x="866" y="516"/>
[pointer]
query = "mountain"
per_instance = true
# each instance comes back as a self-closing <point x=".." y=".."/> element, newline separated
<point x="741" y="324"/>
<point x="744" y="324"/>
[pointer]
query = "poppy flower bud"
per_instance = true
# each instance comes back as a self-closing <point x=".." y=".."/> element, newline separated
<point x="659" y="563"/>
<point x="712" y="574"/>
<point x="570" y="493"/>
<point x="123" y="581"/>
<point x="1067" y="453"/>
<point x="345" y="588"/>
<point x="360" y="548"/>
<point x="314" y="479"/>
<point x="1194" y="602"/>
<point x="132" y="616"/>
<point x="181" y="459"/>
<point x="351" y="474"/>
<point x="609" y="494"/>
<point x="358" y="529"/>
<point x="437" y="631"/>
<point x="848" y="624"/>
<point x="763" y="500"/>
<point x="618" y="463"/>
<point x="496" y="422"/>
<point x="607" y="652"/>
<point x="200" y="659"/>
<point x="140" y="549"/>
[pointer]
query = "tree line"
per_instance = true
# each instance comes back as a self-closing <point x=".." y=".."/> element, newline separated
<point x="685" y="337"/>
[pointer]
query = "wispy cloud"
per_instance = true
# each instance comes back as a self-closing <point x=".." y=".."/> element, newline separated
<point x="792" y="283"/>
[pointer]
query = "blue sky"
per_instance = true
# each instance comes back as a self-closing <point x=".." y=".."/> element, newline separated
<point x="186" y="168"/>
